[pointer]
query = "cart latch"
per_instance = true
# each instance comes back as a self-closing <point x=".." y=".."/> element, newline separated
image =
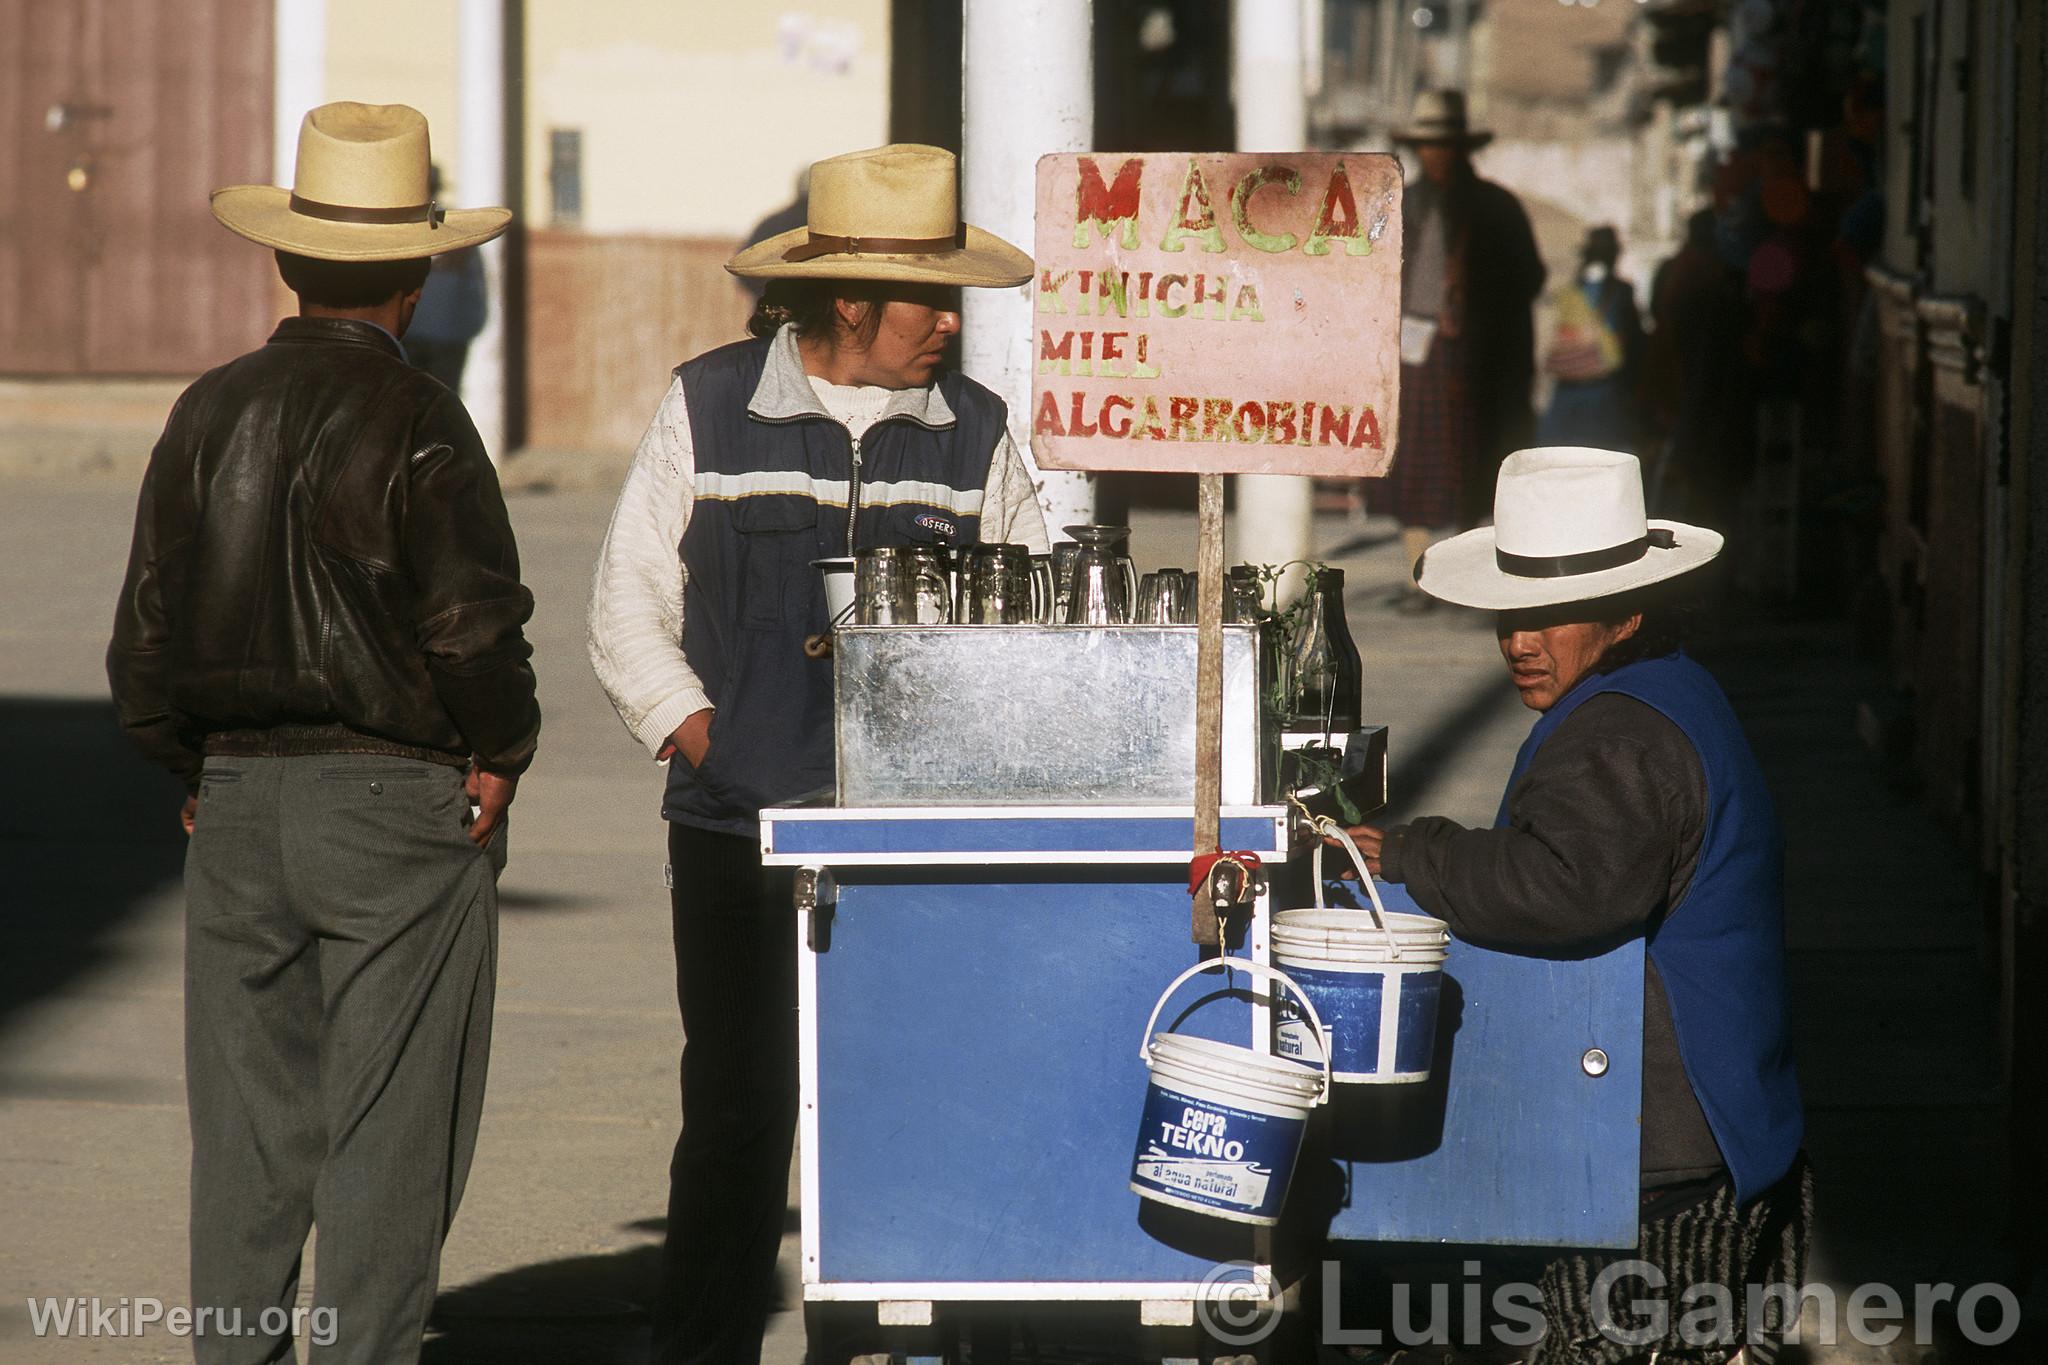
<point x="816" y="893"/>
<point x="1220" y="882"/>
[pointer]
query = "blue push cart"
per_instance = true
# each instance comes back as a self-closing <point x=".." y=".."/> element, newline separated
<point x="973" y="983"/>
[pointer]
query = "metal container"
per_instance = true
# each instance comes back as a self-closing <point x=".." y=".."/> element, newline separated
<point x="1036" y="715"/>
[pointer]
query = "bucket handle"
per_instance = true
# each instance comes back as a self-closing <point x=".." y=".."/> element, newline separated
<point x="1272" y="975"/>
<point x="1326" y="826"/>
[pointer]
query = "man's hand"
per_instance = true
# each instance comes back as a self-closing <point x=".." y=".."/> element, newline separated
<point x="691" y="739"/>
<point x="189" y="815"/>
<point x="1368" y="840"/>
<point x="493" y="794"/>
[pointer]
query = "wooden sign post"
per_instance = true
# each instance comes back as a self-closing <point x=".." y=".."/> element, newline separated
<point x="1217" y="313"/>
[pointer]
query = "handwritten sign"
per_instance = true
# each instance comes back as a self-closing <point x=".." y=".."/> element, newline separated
<point x="1217" y="313"/>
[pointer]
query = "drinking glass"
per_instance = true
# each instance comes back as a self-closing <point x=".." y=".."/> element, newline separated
<point x="1163" y="598"/>
<point x="1063" y="556"/>
<point x="1244" y="597"/>
<point x="1104" y="580"/>
<point x="885" y="587"/>
<point x="1046" y="599"/>
<point x="997" y="588"/>
<point x="932" y="573"/>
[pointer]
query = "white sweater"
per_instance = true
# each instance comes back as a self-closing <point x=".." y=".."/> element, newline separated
<point x="636" y="597"/>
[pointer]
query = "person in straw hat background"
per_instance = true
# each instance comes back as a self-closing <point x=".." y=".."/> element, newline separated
<point x="837" y="428"/>
<point x="1635" y="809"/>
<point x="1470" y="274"/>
<point x="321" y="632"/>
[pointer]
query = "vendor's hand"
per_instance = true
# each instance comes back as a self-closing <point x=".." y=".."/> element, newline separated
<point x="1369" y="841"/>
<point x="692" y="739"/>
<point x="493" y="793"/>
<point x="189" y="815"/>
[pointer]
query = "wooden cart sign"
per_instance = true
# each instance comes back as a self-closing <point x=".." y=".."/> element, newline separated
<point x="1226" y="313"/>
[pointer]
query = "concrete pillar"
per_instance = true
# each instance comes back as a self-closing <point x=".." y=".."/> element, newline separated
<point x="299" y="78"/>
<point x="1027" y="88"/>
<point x="480" y="180"/>
<point x="1275" y="514"/>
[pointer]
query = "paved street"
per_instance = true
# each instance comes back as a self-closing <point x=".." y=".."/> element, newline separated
<point x="552" y="1255"/>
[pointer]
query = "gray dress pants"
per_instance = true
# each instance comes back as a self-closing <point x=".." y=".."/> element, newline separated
<point x="340" y="963"/>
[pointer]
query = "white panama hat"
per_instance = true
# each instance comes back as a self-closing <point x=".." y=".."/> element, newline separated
<point x="1568" y="526"/>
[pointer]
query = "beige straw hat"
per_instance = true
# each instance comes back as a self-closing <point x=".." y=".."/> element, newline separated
<point x="359" y="193"/>
<point x="1439" y="116"/>
<point x="889" y="213"/>
<point x="1568" y="526"/>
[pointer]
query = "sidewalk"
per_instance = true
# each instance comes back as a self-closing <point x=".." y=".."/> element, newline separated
<point x="553" y="1252"/>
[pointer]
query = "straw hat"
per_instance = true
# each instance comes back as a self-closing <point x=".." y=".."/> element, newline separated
<point x="1439" y="116"/>
<point x="889" y="213"/>
<point x="1568" y="526"/>
<point x="359" y="193"/>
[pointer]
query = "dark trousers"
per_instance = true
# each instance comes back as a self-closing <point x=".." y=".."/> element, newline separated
<point x="340" y="960"/>
<point x="735" y="938"/>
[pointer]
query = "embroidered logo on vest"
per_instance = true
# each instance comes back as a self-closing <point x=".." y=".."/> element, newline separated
<point x="938" y="525"/>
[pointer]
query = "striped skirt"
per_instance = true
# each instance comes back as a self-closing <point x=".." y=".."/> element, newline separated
<point x="1426" y="483"/>
<point x="1692" y="1238"/>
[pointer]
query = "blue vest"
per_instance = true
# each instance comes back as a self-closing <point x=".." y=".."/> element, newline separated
<point x="772" y="496"/>
<point x="1720" y="951"/>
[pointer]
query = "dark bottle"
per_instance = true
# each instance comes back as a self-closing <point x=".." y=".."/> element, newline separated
<point x="1325" y="676"/>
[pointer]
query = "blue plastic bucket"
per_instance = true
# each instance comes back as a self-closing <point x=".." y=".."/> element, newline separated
<point x="1376" y="990"/>
<point x="1374" y="976"/>
<point x="1222" y="1124"/>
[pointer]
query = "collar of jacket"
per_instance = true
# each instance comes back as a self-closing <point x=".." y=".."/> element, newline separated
<point x="330" y="331"/>
<point x="785" y="391"/>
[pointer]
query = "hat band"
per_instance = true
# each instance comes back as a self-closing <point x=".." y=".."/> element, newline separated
<point x="826" y="244"/>
<point x="429" y="213"/>
<point x="1592" y="561"/>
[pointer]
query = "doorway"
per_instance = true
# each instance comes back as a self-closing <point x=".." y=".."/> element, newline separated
<point x="117" y="118"/>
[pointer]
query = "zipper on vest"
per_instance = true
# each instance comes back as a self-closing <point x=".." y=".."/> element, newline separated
<point x="853" y="500"/>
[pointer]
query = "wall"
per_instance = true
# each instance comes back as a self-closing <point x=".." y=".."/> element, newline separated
<point x="400" y="52"/>
<point x="1901" y="137"/>
<point x="2023" y="940"/>
<point x="680" y="136"/>
<point x="1969" y="159"/>
<point x="698" y="116"/>
<point x="609" y="317"/>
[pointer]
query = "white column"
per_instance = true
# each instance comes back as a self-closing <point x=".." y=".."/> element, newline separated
<point x="479" y="182"/>
<point x="298" y="78"/>
<point x="1275" y="514"/>
<point x="1027" y="88"/>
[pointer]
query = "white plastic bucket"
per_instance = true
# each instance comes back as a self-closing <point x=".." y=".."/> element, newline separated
<point x="1222" y="1124"/>
<point x="838" y="576"/>
<point x="1375" y="978"/>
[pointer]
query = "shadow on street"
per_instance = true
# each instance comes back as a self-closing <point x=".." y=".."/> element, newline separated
<point x="88" y="835"/>
<point x="590" y="1309"/>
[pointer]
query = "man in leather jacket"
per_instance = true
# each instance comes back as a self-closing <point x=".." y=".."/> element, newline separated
<point x="321" y="632"/>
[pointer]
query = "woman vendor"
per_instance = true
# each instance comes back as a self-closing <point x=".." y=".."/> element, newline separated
<point x="1635" y="808"/>
<point x="838" y="428"/>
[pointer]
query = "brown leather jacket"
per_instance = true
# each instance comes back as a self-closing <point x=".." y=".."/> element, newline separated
<point x="323" y="564"/>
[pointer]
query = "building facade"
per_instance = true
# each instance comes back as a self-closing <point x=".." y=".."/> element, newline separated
<point x="643" y="140"/>
<point x="1962" y="330"/>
